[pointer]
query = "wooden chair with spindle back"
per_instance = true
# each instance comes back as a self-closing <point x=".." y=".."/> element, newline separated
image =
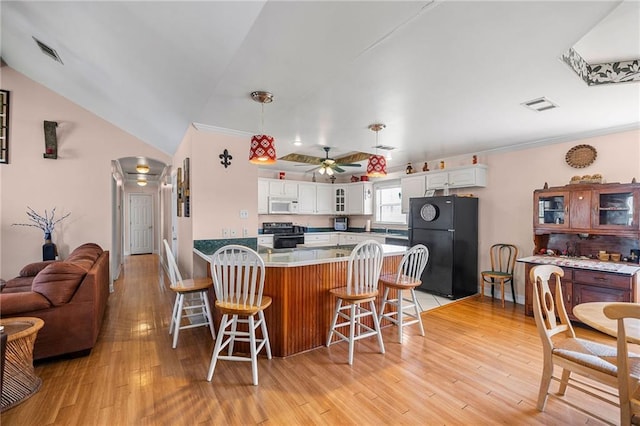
<point x="503" y="261"/>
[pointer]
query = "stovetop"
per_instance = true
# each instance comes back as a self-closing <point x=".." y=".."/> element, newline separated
<point x="282" y="228"/>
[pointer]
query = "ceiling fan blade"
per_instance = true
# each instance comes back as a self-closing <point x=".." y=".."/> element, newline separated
<point x="349" y="165"/>
<point x="301" y="158"/>
<point x="353" y="158"/>
<point x="338" y="169"/>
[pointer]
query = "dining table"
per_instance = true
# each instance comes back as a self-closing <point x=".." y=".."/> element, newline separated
<point x="592" y="314"/>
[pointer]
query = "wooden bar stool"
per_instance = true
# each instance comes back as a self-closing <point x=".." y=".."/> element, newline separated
<point x="238" y="276"/>
<point x="363" y="273"/>
<point x="192" y="301"/>
<point x="408" y="278"/>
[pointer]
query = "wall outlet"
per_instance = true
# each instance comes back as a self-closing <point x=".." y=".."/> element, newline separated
<point x="234" y="233"/>
<point x="225" y="232"/>
<point x="244" y="214"/>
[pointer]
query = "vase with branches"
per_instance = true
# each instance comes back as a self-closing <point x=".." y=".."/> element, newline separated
<point x="46" y="222"/>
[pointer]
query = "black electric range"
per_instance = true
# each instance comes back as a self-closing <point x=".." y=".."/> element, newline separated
<point x="285" y="234"/>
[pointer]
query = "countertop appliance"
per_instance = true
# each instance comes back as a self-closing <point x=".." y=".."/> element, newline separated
<point x="285" y="234"/>
<point x="340" y="223"/>
<point x="448" y="226"/>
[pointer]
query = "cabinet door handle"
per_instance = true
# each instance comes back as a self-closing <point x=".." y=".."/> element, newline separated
<point x="600" y="278"/>
<point x="568" y="298"/>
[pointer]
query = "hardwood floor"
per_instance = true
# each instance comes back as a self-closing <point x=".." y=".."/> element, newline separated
<point x="478" y="364"/>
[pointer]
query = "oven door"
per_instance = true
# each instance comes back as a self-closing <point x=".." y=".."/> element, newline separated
<point x="287" y="241"/>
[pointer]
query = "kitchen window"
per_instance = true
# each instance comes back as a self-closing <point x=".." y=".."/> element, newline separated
<point x="388" y="203"/>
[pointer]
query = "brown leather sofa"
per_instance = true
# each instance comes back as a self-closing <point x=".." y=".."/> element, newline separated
<point x="70" y="296"/>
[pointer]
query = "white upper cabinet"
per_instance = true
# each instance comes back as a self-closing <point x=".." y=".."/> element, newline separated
<point x="411" y="187"/>
<point x="307" y="198"/>
<point x="282" y="188"/>
<point x="463" y="177"/>
<point x="324" y="198"/>
<point x="339" y="199"/>
<point x="263" y="196"/>
<point x="359" y="198"/>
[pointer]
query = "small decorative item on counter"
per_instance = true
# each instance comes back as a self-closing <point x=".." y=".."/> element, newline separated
<point x="355" y="178"/>
<point x="281" y="175"/>
<point x="313" y="177"/>
<point x="409" y="169"/>
<point x="474" y="159"/>
<point x="595" y="178"/>
<point x="441" y="164"/>
<point x="364" y="178"/>
<point x="604" y="256"/>
<point x="425" y="168"/>
<point x="615" y="257"/>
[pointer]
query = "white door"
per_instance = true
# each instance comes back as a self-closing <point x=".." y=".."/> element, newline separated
<point x="140" y="223"/>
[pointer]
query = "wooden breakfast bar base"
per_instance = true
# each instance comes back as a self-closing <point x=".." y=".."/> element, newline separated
<point x="299" y="318"/>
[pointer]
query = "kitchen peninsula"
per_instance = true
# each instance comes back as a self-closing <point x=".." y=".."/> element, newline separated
<point x="298" y="280"/>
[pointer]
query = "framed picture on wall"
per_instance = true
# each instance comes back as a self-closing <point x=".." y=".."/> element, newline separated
<point x="429" y="192"/>
<point x="4" y="126"/>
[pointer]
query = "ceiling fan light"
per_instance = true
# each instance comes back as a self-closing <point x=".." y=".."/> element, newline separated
<point x="263" y="150"/>
<point x="377" y="166"/>
<point x="142" y="168"/>
<point x="329" y="171"/>
<point x="322" y="170"/>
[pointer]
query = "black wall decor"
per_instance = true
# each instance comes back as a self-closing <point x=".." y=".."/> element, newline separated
<point x="50" y="140"/>
<point x="4" y="126"/>
<point x="186" y="187"/>
<point x="226" y="158"/>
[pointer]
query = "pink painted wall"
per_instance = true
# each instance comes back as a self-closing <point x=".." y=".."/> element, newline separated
<point x="79" y="181"/>
<point x="506" y="204"/>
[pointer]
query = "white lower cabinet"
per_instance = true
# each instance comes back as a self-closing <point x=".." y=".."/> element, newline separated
<point x="265" y="240"/>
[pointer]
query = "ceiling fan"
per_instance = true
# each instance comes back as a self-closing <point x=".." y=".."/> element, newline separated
<point x="327" y="164"/>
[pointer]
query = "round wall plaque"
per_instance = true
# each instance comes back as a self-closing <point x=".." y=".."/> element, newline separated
<point x="581" y="156"/>
<point x="429" y="212"/>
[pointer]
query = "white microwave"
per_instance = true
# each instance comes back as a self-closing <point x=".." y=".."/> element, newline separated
<point x="283" y="205"/>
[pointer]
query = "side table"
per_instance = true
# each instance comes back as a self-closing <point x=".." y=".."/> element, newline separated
<point x="19" y="381"/>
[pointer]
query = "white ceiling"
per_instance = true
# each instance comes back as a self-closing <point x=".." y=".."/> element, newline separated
<point x="447" y="78"/>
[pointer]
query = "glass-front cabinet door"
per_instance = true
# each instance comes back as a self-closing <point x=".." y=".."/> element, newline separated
<point x="551" y="210"/>
<point x="616" y="209"/>
<point x="340" y="199"/>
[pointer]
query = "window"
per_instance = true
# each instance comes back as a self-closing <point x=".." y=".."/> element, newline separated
<point x="388" y="203"/>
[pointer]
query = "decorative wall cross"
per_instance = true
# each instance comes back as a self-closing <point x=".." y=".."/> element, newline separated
<point x="226" y="158"/>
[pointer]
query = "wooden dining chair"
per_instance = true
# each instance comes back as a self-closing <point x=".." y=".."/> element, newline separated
<point x="561" y="347"/>
<point x="407" y="278"/>
<point x="238" y="280"/>
<point x="356" y="300"/>
<point x="628" y="364"/>
<point x="191" y="302"/>
<point x="503" y="261"/>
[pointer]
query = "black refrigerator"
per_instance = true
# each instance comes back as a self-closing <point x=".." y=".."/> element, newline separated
<point x="448" y="226"/>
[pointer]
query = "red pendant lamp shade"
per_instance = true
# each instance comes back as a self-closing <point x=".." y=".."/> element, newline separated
<point x="263" y="150"/>
<point x="263" y="147"/>
<point x="377" y="165"/>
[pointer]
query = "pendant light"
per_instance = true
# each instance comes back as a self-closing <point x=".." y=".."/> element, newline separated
<point x="263" y="149"/>
<point x="377" y="165"/>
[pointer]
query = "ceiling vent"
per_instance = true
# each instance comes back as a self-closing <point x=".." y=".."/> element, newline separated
<point x="540" y="104"/>
<point x="385" y="147"/>
<point x="50" y="52"/>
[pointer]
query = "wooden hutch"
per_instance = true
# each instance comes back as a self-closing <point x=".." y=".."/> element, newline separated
<point x="580" y="220"/>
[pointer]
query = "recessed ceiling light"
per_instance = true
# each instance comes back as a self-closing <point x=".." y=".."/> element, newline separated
<point x="540" y="104"/>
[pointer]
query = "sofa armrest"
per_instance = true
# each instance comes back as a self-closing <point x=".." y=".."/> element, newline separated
<point x="16" y="303"/>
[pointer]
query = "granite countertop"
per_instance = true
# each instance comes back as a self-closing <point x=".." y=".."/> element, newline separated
<point x="580" y="263"/>
<point x="310" y="255"/>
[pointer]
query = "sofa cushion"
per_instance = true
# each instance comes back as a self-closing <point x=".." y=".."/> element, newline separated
<point x="28" y="301"/>
<point x="17" y="284"/>
<point x="58" y="281"/>
<point x="32" y="269"/>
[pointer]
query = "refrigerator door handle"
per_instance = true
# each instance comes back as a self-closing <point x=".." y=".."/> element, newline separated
<point x="451" y="230"/>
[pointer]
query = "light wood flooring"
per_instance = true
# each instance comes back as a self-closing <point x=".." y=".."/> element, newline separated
<point x="478" y="364"/>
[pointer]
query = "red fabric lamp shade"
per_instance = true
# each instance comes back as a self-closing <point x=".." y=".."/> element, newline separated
<point x="377" y="166"/>
<point x="263" y="150"/>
